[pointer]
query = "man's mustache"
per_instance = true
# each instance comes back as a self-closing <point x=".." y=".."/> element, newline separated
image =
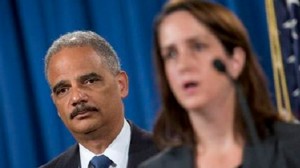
<point x="81" y="109"/>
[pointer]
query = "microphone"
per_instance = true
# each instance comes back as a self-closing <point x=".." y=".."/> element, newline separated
<point x="247" y="116"/>
<point x="218" y="64"/>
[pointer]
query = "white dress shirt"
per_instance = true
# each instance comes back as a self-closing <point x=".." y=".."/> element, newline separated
<point x="117" y="151"/>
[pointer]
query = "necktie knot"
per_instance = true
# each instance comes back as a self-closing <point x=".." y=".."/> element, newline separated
<point x="100" y="162"/>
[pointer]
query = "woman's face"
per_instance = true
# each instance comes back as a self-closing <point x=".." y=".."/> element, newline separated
<point x="188" y="49"/>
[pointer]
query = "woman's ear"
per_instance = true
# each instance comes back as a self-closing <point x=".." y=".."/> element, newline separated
<point x="237" y="62"/>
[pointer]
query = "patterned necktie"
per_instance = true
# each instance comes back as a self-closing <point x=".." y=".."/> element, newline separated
<point x="100" y="162"/>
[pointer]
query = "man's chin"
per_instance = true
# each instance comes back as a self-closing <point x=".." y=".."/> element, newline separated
<point x="82" y="129"/>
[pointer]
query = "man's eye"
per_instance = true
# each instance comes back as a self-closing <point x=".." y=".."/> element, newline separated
<point x="61" y="91"/>
<point x="90" y="81"/>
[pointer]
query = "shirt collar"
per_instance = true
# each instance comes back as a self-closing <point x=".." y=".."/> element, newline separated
<point x="117" y="151"/>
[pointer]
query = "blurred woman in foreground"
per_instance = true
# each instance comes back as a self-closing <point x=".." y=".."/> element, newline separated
<point x="201" y="123"/>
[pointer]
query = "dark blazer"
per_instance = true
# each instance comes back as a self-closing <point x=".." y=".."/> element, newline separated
<point x="281" y="149"/>
<point x="141" y="148"/>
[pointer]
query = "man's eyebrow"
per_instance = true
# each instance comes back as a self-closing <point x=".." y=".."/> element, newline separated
<point x="59" y="84"/>
<point x="90" y="75"/>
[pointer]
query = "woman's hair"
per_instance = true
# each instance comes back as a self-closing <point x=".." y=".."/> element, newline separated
<point x="173" y="127"/>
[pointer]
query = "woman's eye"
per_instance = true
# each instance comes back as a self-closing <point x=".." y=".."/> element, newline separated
<point x="169" y="54"/>
<point x="197" y="46"/>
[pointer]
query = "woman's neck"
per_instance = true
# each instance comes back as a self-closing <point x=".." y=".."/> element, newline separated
<point x="214" y="124"/>
<point x="217" y="142"/>
<point x="218" y="145"/>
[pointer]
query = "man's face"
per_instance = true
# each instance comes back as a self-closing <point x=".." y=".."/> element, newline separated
<point x="87" y="95"/>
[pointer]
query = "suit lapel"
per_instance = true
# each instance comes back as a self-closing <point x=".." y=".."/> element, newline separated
<point x="141" y="146"/>
<point x="71" y="158"/>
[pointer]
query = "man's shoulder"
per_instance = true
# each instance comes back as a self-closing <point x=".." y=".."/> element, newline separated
<point x="138" y="133"/>
<point x="141" y="146"/>
<point x="140" y="138"/>
<point x="70" y="156"/>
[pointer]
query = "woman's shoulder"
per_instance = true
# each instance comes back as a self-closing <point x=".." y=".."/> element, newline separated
<point x="280" y="149"/>
<point x="287" y="131"/>
<point x="170" y="157"/>
<point x="288" y="142"/>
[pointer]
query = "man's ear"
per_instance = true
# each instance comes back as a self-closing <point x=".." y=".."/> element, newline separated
<point x="237" y="62"/>
<point x="122" y="80"/>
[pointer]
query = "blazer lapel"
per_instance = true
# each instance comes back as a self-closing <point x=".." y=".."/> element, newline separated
<point x="180" y="157"/>
<point x="141" y="146"/>
<point x="264" y="156"/>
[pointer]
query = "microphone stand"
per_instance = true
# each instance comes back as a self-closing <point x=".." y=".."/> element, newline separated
<point x="246" y="113"/>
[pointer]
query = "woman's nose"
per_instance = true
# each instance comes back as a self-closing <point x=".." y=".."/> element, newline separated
<point x="184" y="61"/>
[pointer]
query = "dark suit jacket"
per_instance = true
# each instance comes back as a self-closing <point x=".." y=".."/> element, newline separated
<point x="279" y="150"/>
<point x="141" y="148"/>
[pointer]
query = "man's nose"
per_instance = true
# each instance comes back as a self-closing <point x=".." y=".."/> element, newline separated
<point x="78" y="96"/>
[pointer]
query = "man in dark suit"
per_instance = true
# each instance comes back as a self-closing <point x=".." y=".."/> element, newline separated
<point x="87" y="87"/>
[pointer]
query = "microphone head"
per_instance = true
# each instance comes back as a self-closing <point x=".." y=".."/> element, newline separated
<point x="218" y="64"/>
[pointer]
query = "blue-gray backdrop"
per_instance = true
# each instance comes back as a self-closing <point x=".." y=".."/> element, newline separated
<point x="31" y="133"/>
